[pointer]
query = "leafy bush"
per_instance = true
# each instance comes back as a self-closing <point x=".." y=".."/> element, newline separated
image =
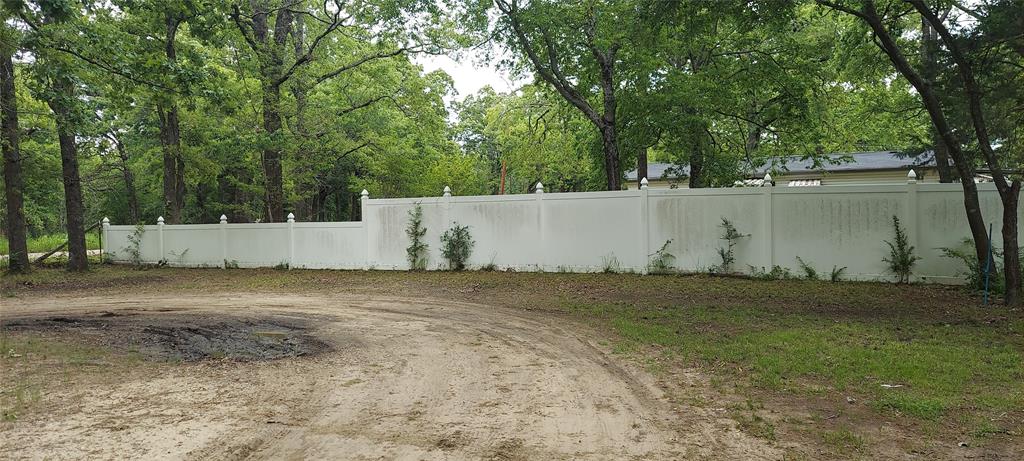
<point x="456" y="246"/>
<point x="901" y="258"/>
<point x="416" y="252"/>
<point x="837" y="273"/>
<point x="731" y="237"/>
<point x="973" y="272"/>
<point x="809" y="272"/>
<point x="661" y="260"/>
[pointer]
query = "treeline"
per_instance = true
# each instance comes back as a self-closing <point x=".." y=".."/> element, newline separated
<point x="191" y="109"/>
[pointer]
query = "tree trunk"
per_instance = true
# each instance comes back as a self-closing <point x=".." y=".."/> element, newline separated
<point x="609" y="140"/>
<point x="77" y="257"/>
<point x="13" y="183"/>
<point x="1011" y="251"/>
<point x="641" y="166"/>
<point x="170" y="138"/>
<point x="174" y="177"/>
<point x="129" y="184"/>
<point x="272" y="153"/>
<point x="929" y="71"/>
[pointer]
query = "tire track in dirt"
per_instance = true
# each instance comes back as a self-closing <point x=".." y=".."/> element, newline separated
<point x="406" y="379"/>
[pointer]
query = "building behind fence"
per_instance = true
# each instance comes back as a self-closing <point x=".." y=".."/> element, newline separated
<point x="825" y="226"/>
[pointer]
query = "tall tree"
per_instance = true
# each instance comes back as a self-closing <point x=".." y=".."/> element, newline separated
<point x="939" y="113"/>
<point x="573" y="48"/>
<point x="13" y="183"/>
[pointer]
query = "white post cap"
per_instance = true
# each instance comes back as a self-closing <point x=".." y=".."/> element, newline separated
<point x="447" y="191"/>
<point x="540" y="187"/>
<point x="365" y="193"/>
<point x="160" y="220"/>
<point x="643" y="183"/>
<point x="223" y="219"/>
<point x="767" y="180"/>
<point x="291" y="217"/>
<point x="106" y="221"/>
<point x="911" y="177"/>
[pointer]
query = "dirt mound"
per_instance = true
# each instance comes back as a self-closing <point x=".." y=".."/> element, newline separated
<point x="186" y="336"/>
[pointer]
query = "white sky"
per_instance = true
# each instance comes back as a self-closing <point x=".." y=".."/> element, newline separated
<point x="469" y="73"/>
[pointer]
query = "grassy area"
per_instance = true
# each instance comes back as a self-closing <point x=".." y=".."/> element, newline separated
<point x="46" y="243"/>
<point x="929" y="359"/>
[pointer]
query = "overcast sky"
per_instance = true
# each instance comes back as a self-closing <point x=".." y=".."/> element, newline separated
<point x="470" y="74"/>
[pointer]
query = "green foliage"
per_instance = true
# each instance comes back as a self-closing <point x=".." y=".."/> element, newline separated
<point x="731" y="237"/>
<point x="777" y="273"/>
<point x="901" y="257"/>
<point x="837" y="274"/>
<point x="135" y="244"/>
<point x="809" y="272"/>
<point x="973" y="272"/>
<point x="661" y="261"/>
<point x="416" y="252"/>
<point x="456" y="246"/>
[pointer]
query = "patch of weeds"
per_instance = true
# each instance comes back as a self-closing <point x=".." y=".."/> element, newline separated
<point x="281" y="266"/>
<point x="610" y="264"/>
<point x="490" y="267"/>
<point x="777" y="273"/>
<point x="903" y="403"/>
<point x="809" y="272"/>
<point x="756" y="426"/>
<point x="843" y="440"/>
<point x="661" y="260"/>
<point x="232" y="264"/>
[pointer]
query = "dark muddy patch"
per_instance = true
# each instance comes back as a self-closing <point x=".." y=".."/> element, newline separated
<point x="184" y="336"/>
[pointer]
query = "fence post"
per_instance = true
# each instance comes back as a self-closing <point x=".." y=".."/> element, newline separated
<point x="645" y="227"/>
<point x="543" y="254"/>
<point x="223" y="241"/>
<point x="910" y="215"/>
<point x="291" y="240"/>
<point x="769" y="226"/>
<point x="104" y="238"/>
<point x="160" y="238"/>
<point x="364" y="197"/>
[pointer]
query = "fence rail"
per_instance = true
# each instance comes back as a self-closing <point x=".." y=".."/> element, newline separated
<point x="825" y="226"/>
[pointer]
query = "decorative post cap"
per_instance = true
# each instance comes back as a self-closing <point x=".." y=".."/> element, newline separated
<point x="365" y="193"/>
<point x="291" y="217"/>
<point x="447" y="191"/>
<point x="106" y="221"/>
<point x="223" y="219"/>
<point x="767" y="180"/>
<point x="911" y="177"/>
<point x="643" y="183"/>
<point x="160" y="220"/>
<point x="540" y="187"/>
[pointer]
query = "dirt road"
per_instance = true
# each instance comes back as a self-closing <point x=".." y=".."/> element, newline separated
<point x="385" y="378"/>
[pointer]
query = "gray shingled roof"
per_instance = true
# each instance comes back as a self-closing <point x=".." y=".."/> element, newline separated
<point x="854" y="161"/>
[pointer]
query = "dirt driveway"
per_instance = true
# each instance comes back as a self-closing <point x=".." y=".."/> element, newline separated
<point x="347" y="377"/>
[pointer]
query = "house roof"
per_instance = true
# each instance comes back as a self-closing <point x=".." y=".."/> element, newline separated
<point x="854" y="161"/>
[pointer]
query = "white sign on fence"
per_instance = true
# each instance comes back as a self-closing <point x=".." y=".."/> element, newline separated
<point x="826" y="226"/>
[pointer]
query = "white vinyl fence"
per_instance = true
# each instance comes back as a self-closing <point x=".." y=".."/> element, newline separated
<point x="826" y="226"/>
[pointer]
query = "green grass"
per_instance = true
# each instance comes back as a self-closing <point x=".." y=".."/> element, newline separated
<point x="935" y="367"/>
<point x="46" y="243"/>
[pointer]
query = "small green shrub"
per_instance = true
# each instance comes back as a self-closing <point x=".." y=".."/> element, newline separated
<point x="809" y="272"/>
<point x="135" y="245"/>
<point x="456" y="246"/>
<point x="973" y="272"/>
<point x="416" y="252"/>
<point x="837" y="274"/>
<point x="731" y="237"/>
<point x="490" y="267"/>
<point x="232" y="264"/>
<point x="661" y="260"/>
<point x="901" y="257"/>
